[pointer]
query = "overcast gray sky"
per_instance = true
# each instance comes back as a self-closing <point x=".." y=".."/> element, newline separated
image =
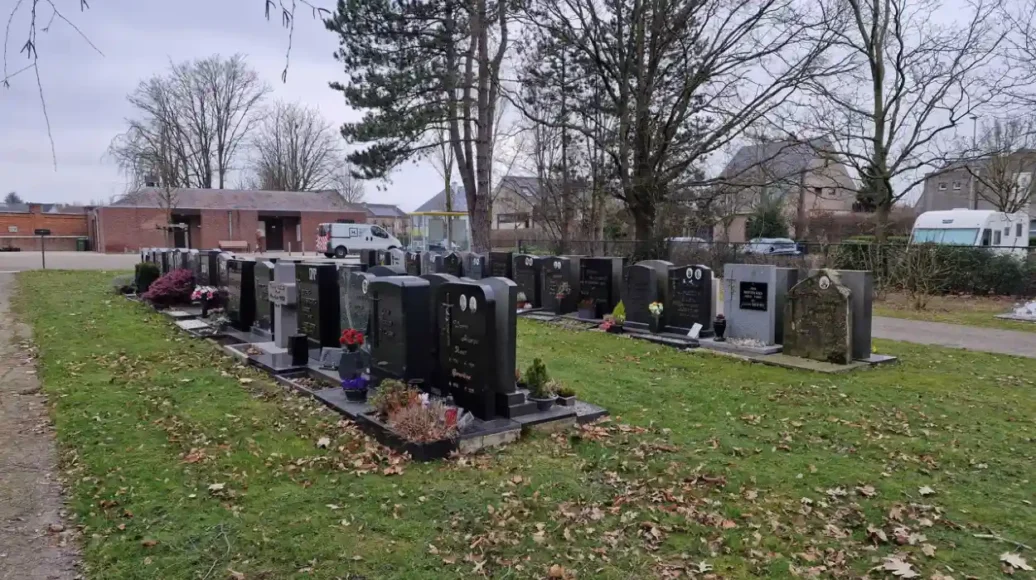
<point x="86" y="93"/>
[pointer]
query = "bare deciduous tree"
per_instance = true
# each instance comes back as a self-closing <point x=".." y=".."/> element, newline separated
<point x="347" y="185"/>
<point x="1004" y="164"/>
<point x="295" y="149"/>
<point x="202" y="110"/>
<point x="913" y="81"/>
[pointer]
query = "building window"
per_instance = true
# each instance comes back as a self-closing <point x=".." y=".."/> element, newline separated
<point x="996" y="238"/>
<point x="818" y="190"/>
<point x="942" y="186"/>
<point x="956" y="185"/>
<point x="230" y="224"/>
<point x="1018" y="230"/>
<point x="12" y="229"/>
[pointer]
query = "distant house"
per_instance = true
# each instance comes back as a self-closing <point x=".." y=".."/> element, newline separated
<point x="387" y="216"/>
<point x="431" y="229"/>
<point x="287" y="219"/>
<point x="799" y="175"/>
<point x="515" y="202"/>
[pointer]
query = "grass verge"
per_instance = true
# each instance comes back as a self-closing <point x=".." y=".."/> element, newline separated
<point x="183" y="465"/>
<point x="966" y="310"/>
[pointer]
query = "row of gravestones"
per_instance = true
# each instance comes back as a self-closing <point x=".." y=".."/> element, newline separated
<point x="208" y="266"/>
<point x="450" y="335"/>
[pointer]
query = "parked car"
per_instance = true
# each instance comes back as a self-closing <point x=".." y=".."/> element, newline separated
<point x="775" y="246"/>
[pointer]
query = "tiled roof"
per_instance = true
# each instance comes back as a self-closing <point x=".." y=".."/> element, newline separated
<point x="438" y="202"/>
<point x="237" y="199"/>
<point x="525" y="186"/>
<point x="779" y="159"/>
<point x="383" y="210"/>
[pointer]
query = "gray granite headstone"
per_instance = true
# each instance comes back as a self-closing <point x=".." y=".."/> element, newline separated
<point x="413" y="263"/>
<point x="475" y="265"/>
<point x="428" y="262"/>
<point x="818" y="319"/>
<point x="284" y="297"/>
<point x="264" y="273"/>
<point x="354" y="288"/>
<point x="753" y="302"/>
<point x="396" y="257"/>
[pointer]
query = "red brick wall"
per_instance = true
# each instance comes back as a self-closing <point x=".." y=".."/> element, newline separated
<point x="123" y="229"/>
<point x="73" y="225"/>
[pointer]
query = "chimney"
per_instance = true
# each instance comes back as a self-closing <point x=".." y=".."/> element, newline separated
<point x="150" y="181"/>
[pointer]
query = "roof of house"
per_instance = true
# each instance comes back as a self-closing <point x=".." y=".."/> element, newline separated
<point x="438" y="201"/>
<point x="44" y="208"/>
<point x="779" y="159"/>
<point x="14" y="207"/>
<point x="527" y="187"/>
<point x="238" y="199"/>
<point x="383" y="210"/>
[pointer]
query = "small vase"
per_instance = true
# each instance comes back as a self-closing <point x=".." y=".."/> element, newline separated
<point x="655" y="325"/>
<point x="353" y="363"/>
<point x="543" y="404"/>
<point x="720" y="326"/>
<point x="587" y="313"/>
<point x="204" y="308"/>
<point x="356" y="395"/>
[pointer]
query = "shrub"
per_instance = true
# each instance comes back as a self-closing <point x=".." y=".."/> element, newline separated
<point x="424" y="423"/>
<point x="173" y="288"/>
<point x="537" y="380"/>
<point x="619" y="313"/>
<point x="393" y="395"/>
<point x="145" y="274"/>
<point x="565" y="391"/>
<point x="123" y="285"/>
<point x="767" y="221"/>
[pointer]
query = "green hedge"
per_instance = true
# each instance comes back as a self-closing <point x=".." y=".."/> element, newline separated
<point x="961" y="270"/>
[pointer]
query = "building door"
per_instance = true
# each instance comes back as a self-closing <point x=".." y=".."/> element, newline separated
<point x="274" y="235"/>
<point x="180" y="237"/>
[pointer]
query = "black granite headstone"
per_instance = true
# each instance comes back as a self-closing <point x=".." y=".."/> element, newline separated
<point x="241" y="293"/>
<point x="413" y="263"/>
<point x="501" y="265"/>
<point x="475" y="265"/>
<point x="387" y="270"/>
<point x="468" y="346"/>
<point x="166" y="266"/>
<point x="263" y="308"/>
<point x="559" y="280"/>
<point x="689" y="300"/>
<point x="434" y="282"/>
<point x="317" y="287"/>
<point x="527" y="277"/>
<point x="368" y="258"/>
<point x="209" y="268"/>
<point x="645" y="283"/>
<point x="399" y="334"/>
<point x="451" y="264"/>
<point x="600" y="280"/>
<point x="355" y="307"/>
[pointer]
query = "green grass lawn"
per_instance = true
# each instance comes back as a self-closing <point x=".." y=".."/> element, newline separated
<point x="183" y="465"/>
<point x="966" y="310"/>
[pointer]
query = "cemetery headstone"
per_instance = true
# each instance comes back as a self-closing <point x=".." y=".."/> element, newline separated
<point x="209" y="268"/>
<point x="241" y="293"/>
<point x="284" y="296"/>
<point x="600" y="280"/>
<point x="396" y="257"/>
<point x="166" y="260"/>
<point x="510" y="402"/>
<point x="428" y="262"/>
<point x="861" y="302"/>
<point x="527" y="270"/>
<point x="451" y="264"/>
<point x="645" y="283"/>
<point x="194" y="265"/>
<point x="318" y="310"/>
<point x="355" y="307"/>
<point x="559" y="276"/>
<point x="475" y="265"/>
<point x="501" y="265"/>
<point x="387" y="271"/>
<point x="413" y="263"/>
<point x="399" y="334"/>
<point x="264" y="272"/>
<point x="368" y="258"/>
<point x="221" y="269"/>
<point x="438" y="381"/>
<point x="469" y="346"/>
<point x="753" y="301"/>
<point x="818" y="319"/>
<point x="381" y="257"/>
<point x="689" y="300"/>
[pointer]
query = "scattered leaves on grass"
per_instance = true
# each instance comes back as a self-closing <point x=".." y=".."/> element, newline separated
<point x="1015" y="561"/>
<point x="899" y="568"/>
<point x="323" y="442"/>
<point x="215" y="487"/>
<point x="925" y="491"/>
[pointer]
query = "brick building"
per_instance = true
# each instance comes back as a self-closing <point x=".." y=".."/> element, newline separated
<point x="288" y="219"/>
<point x="18" y="221"/>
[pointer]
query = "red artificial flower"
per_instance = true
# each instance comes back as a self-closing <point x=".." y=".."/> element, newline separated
<point x="351" y="337"/>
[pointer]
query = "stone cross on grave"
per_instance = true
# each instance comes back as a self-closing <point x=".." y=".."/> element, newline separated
<point x="284" y="297"/>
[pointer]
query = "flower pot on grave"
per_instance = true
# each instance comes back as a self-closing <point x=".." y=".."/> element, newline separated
<point x="356" y="395"/>
<point x="543" y="404"/>
<point x="615" y="329"/>
<point x="355" y="389"/>
<point x="587" y="313"/>
<point x="655" y="325"/>
<point x="353" y="363"/>
<point x="720" y="326"/>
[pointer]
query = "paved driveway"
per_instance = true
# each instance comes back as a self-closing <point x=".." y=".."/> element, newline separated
<point x="20" y="261"/>
<point x="1014" y="342"/>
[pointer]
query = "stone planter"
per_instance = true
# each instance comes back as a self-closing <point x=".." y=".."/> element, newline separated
<point x="587" y="313"/>
<point x="355" y="395"/>
<point x="543" y="404"/>
<point x="567" y="401"/>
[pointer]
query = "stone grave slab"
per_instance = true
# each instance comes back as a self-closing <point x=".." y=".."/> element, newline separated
<point x="241" y="293"/>
<point x="501" y="265"/>
<point x="468" y="346"/>
<point x="318" y="304"/>
<point x="397" y="257"/>
<point x="689" y="300"/>
<point x="263" y="275"/>
<point x="437" y="384"/>
<point x="818" y="319"/>
<point x="387" y="271"/>
<point x="754" y="298"/>
<point x="451" y="264"/>
<point x="861" y="296"/>
<point x="399" y="334"/>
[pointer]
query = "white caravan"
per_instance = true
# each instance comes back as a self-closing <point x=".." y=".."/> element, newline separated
<point x="340" y="239"/>
<point x="984" y="228"/>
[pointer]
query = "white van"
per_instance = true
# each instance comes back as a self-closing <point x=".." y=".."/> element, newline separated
<point x="1002" y="232"/>
<point x="337" y="240"/>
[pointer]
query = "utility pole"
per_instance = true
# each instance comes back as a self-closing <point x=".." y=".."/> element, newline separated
<point x="972" y="197"/>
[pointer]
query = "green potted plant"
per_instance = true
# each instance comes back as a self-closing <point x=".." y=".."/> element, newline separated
<point x="538" y="383"/>
<point x="618" y="318"/>
<point x="566" y="394"/>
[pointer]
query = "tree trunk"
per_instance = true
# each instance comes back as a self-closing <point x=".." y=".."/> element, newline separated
<point x="480" y="221"/>
<point x="881" y="223"/>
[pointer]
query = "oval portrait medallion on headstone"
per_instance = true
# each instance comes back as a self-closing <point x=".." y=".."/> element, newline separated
<point x="528" y="261"/>
<point x="825" y="282"/>
<point x="697" y="274"/>
<point x="475" y="261"/>
<point x="473" y="305"/>
<point x="363" y="287"/>
<point x="557" y="264"/>
<point x="689" y="273"/>
<point x="463" y="303"/>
